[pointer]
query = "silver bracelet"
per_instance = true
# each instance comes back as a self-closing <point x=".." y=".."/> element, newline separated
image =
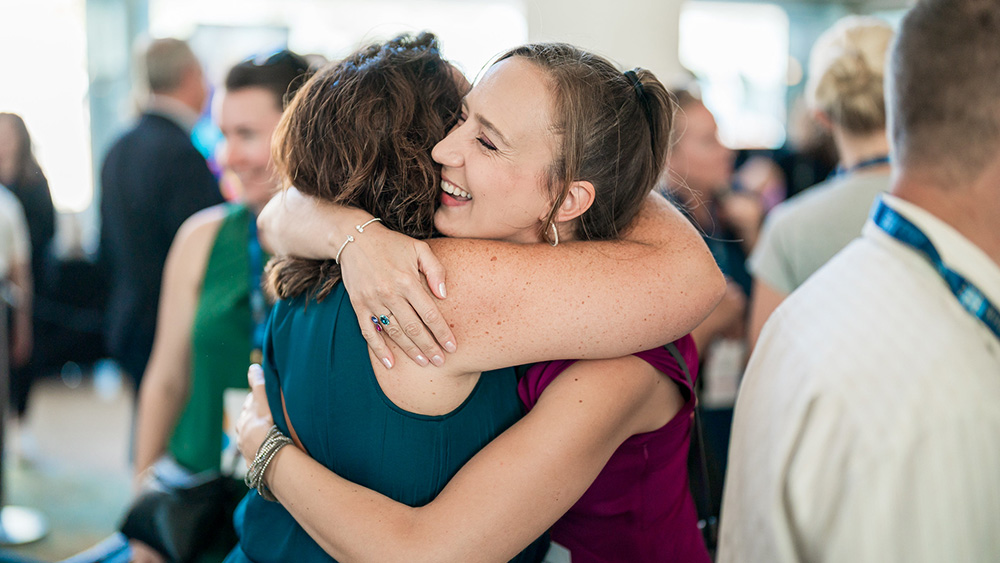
<point x="254" y="479"/>
<point x="350" y="238"/>
<point x="361" y="227"/>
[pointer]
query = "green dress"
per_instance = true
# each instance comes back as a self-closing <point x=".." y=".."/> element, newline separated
<point x="220" y="344"/>
<point x="220" y="354"/>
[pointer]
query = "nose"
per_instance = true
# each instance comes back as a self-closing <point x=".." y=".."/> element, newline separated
<point x="233" y="154"/>
<point x="446" y="151"/>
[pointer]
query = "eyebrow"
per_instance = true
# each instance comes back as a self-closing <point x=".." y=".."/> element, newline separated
<point x="487" y="124"/>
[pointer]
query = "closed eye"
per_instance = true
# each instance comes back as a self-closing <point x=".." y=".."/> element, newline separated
<point x="486" y="144"/>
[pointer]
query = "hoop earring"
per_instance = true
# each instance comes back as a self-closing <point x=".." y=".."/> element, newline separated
<point x="556" y="232"/>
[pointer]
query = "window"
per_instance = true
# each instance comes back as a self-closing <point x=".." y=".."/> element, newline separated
<point x="739" y="55"/>
<point x="45" y="81"/>
<point x="470" y="32"/>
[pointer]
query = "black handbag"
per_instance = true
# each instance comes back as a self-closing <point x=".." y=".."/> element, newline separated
<point x="179" y="519"/>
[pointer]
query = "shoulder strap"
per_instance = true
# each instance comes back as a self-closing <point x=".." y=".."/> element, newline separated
<point x="709" y="524"/>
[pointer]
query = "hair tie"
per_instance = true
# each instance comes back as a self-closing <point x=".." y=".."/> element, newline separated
<point x="633" y="79"/>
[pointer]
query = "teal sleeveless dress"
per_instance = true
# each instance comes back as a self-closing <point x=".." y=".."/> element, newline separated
<point x="315" y="353"/>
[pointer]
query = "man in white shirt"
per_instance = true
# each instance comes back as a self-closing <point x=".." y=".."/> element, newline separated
<point x="868" y="424"/>
<point x="15" y="269"/>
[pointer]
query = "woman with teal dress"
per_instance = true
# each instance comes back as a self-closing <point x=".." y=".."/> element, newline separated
<point x="351" y="138"/>
<point x="212" y="309"/>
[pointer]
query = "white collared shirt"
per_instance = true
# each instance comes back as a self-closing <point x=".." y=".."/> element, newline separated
<point x="174" y="110"/>
<point x="868" y="423"/>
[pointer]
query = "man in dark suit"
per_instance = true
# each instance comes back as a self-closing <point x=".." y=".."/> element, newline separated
<point x="152" y="180"/>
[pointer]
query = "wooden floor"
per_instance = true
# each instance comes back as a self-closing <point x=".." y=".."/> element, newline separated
<point x="76" y="470"/>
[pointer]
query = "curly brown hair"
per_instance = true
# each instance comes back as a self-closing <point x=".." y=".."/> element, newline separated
<point x="359" y="133"/>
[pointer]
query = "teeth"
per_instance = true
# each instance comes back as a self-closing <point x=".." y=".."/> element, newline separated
<point x="454" y="190"/>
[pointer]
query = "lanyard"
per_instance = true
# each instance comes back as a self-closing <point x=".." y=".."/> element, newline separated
<point x="969" y="296"/>
<point x="871" y="162"/>
<point x="258" y="305"/>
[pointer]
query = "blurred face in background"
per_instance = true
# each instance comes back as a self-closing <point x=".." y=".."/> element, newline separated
<point x="699" y="158"/>
<point x="248" y="117"/>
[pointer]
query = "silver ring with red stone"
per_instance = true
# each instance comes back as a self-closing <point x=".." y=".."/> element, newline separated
<point x="375" y="321"/>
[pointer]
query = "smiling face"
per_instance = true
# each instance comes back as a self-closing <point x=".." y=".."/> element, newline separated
<point x="248" y="118"/>
<point x="495" y="160"/>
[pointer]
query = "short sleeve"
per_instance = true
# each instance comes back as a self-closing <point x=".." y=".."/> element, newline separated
<point x="537" y="377"/>
<point x="770" y="261"/>
<point x="664" y="361"/>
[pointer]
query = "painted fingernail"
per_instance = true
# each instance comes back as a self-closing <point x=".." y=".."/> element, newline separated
<point x="437" y="360"/>
<point x="442" y="291"/>
<point x="450" y="346"/>
<point x="256" y="374"/>
<point x="421" y="360"/>
<point x="387" y="362"/>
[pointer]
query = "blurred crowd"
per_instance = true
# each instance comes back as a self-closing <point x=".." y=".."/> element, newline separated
<point x="174" y="296"/>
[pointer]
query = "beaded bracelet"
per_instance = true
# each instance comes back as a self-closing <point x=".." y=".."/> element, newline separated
<point x="350" y="238"/>
<point x="254" y="479"/>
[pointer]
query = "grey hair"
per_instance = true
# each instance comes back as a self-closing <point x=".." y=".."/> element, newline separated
<point x="164" y="63"/>
<point x="943" y="88"/>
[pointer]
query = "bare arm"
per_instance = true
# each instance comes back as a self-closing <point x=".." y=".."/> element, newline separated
<point x="512" y="303"/>
<point x="506" y="496"/>
<point x="22" y="338"/>
<point x="167" y="380"/>
<point x="764" y="301"/>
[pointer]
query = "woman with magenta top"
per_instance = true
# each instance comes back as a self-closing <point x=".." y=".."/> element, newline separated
<point x="553" y="158"/>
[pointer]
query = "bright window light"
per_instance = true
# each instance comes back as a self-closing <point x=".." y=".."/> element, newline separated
<point x="739" y="53"/>
<point x="470" y="32"/>
<point x="224" y="32"/>
<point x="45" y="81"/>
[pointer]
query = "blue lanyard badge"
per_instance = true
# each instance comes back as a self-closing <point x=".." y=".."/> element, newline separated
<point x="969" y="296"/>
<point x="870" y="163"/>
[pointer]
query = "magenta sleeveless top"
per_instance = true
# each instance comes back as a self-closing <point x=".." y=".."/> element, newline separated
<point x="639" y="509"/>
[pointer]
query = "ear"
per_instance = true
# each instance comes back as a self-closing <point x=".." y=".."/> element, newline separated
<point x="578" y="200"/>
<point x="823" y="119"/>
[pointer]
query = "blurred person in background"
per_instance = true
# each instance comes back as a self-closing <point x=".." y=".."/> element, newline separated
<point x="15" y="276"/>
<point x="20" y="173"/>
<point x="867" y="426"/>
<point x="845" y="91"/>
<point x="701" y="180"/>
<point x="809" y="155"/>
<point x="152" y="180"/>
<point x="212" y="310"/>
